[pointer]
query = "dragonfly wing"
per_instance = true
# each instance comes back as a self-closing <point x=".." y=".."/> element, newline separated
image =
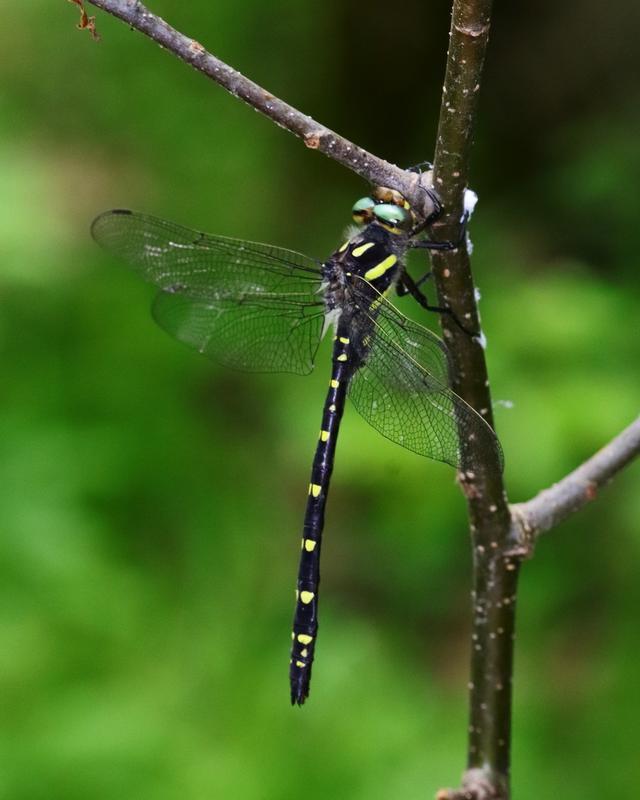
<point x="254" y="336"/>
<point x="401" y="388"/>
<point x="419" y="343"/>
<point x="249" y="305"/>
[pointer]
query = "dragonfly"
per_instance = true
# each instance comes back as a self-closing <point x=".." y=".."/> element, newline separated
<point x="257" y="307"/>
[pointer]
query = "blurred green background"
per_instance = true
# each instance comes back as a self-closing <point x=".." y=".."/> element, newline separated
<point x="152" y="502"/>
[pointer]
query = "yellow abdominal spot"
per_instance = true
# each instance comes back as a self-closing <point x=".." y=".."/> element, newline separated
<point x="343" y="357"/>
<point x="314" y="489"/>
<point x="300" y="664"/>
<point x="381" y="268"/>
<point x="304" y="653"/>
<point x="306" y="597"/>
<point x="333" y="383"/>
<point x="332" y="407"/>
<point x="324" y="436"/>
<point x="309" y="545"/>
<point x="358" y="251"/>
<point x="304" y="638"/>
<point x="344" y="247"/>
<point x="344" y="340"/>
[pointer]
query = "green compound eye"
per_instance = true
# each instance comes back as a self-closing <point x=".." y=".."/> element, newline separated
<point x="362" y="210"/>
<point x="391" y="214"/>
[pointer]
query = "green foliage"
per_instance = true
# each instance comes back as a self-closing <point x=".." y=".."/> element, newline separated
<point x="151" y="502"/>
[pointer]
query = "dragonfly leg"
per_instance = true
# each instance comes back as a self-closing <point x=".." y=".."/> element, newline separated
<point x="425" y="166"/>
<point x="424" y="278"/>
<point x="412" y="288"/>
<point x="422" y="166"/>
<point x="401" y="289"/>
<point x="427" y="244"/>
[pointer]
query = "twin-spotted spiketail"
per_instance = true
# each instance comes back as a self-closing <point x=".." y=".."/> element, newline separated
<point x="262" y="308"/>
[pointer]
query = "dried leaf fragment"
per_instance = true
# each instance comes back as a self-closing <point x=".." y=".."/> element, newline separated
<point x="86" y="22"/>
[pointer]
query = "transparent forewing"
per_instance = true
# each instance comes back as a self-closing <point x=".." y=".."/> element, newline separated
<point x="247" y="305"/>
<point x="402" y="390"/>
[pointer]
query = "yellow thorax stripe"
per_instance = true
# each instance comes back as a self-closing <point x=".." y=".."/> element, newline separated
<point x="381" y="268"/>
<point x="358" y="251"/>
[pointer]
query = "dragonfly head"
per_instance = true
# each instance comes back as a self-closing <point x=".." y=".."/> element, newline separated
<point x="388" y="208"/>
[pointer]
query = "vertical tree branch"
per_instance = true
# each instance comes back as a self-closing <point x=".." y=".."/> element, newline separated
<point x="495" y="563"/>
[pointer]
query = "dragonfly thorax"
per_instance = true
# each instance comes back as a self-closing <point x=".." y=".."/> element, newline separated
<point x="371" y="257"/>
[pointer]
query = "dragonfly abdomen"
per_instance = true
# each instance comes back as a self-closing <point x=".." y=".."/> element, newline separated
<point x="305" y="621"/>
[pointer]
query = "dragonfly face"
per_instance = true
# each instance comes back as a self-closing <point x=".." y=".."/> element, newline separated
<point x="386" y="205"/>
<point x="262" y="308"/>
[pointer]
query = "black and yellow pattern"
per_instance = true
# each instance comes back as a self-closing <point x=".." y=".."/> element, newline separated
<point x="369" y="256"/>
<point x="261" y="308"/>
<point x="305" y="622"/>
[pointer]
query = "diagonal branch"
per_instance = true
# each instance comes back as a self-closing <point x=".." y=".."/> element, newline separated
<point x="314" y="135"/>
<point x="551" y="506"/>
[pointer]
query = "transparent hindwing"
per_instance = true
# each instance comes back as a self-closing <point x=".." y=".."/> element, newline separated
<point x="402" y="388"/>
<point x="246" y="305"/>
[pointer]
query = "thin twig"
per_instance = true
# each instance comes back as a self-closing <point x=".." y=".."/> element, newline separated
<point x="314" y="135"/>
<point x="550" y="506"/>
